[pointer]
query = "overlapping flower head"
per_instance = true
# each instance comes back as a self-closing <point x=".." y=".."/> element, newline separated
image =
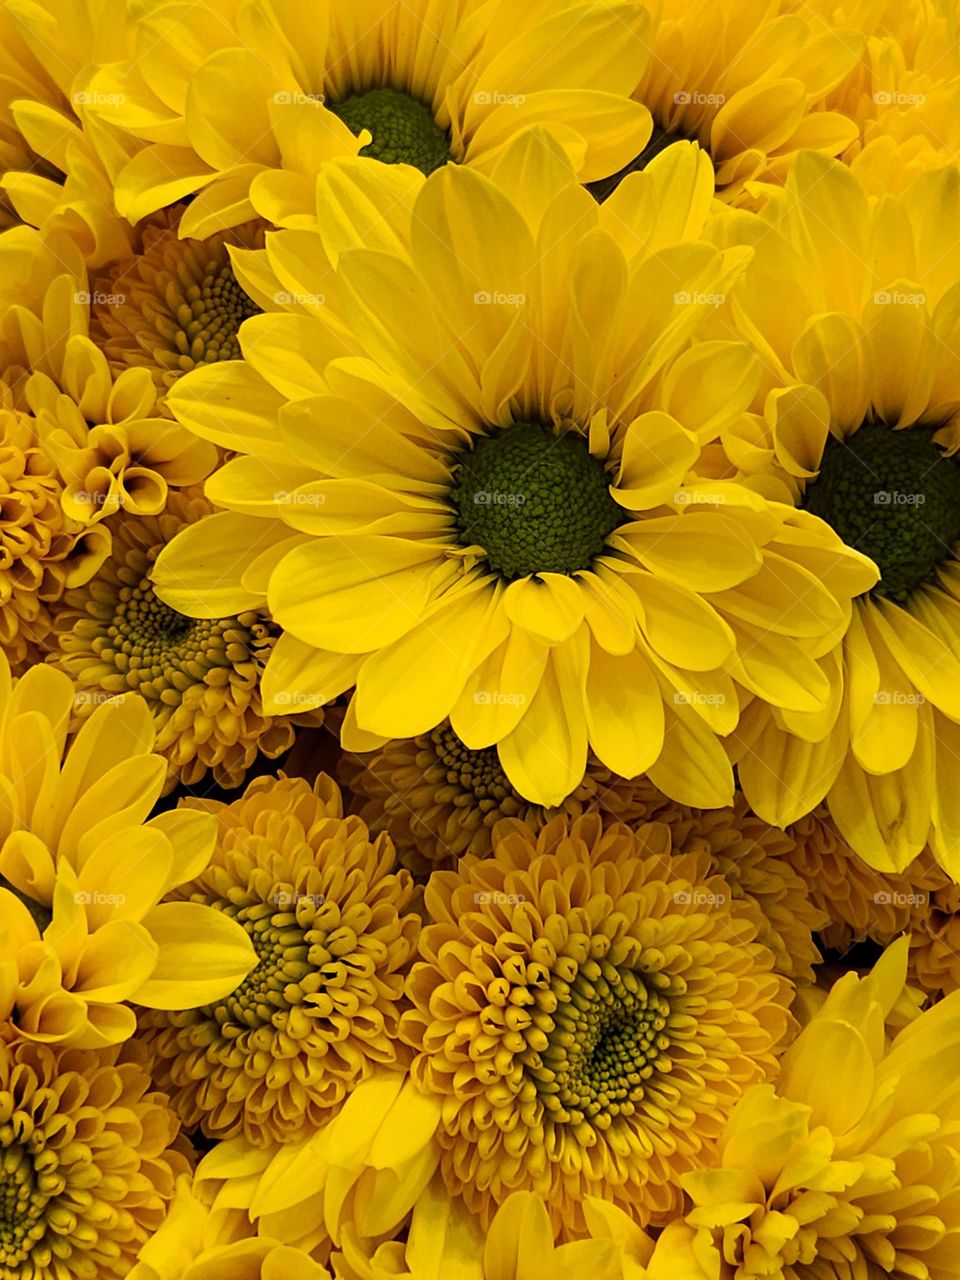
<point x="855" y="422"/>
<point x="481" y="518"/>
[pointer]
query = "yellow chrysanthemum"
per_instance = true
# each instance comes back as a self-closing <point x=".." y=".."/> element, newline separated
<point x="486" y="517"/>
<point x="111" y="448"/>
<point x="904" y="91"/>
<point x="852" y="306"/>
<point x="89" y="1158"/>
<point x="175" y="304"/>
<point x="201" y="680"/>
<point x="445" y="1239"/>
<point x="57" y="163"/>
<point x="325" y="911"/>
<point x="588" y="1011"/>
<point x="935" y="941"/>
<point x="850" y="1167"/>
<point x="755" y="860"/>
<point x="439" y="800"/>
<point x="361" y="1172"/>
<point x="244" y="104"/>
<point x="746" y="80"/>
<point x="82" y="927"/>
<point x="195" y="1244"/>
<point x="860" y="901"/>
<point x="42" y="550"/>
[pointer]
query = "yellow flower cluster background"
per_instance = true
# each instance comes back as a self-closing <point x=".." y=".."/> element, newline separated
<point x="480" y="639"/>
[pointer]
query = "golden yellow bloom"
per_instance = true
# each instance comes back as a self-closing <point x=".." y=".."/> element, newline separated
<point x="860" y="901"/>
<point x="489" y="517"/>
<point x="90" y="1159"/>
<point x="747" y="81"/>
<point x="201" y="680"/>
<point x="439" y="800"/>
<point x="856" y="424"/>
<point x="175" y="304"/>
<point x="848" y="1166"/>
<point x="195" y="1244"/>
<point x="57" y="163"/>
<point x="103" y="434"/>
<point x="755" y="860"/>
<point x="362" y="1170"/>
<point x="83" y="929"/>
<point x="324" y="909"/>
<point x="42" y="550"/>
<point x="588" y="1011"/>
<point x="244" y="104"/>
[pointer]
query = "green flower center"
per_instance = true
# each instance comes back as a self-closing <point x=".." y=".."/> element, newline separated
<point x="895" y="497"/>
<point x="404" y="130"/>
<point x="609" y="1038"/>
<point x="660" y="139"/>
<point x="534" y="501"/>
<point x="476" y="773"/>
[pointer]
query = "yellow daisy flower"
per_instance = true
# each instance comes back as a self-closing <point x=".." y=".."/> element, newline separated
<point x="755" y="859"/>
<point x="57" y="163"/>
<point x="195" y="1244"/>
<point x="746" y="79"/>
<point x="90" y="1160"/>
<point x="324" y="909"/>
<point x="439" y="800"/>
<point x="82" y="926"/>
<point x="904" y="91"/>
<point x="243" y="105"/>
<point x="175" y="304"/>
<point x="588" y="1010"/>
<point x="851" y="305"/>
<point x="486" y="517"/>
<point x="361" y="1171"/>
<point x="43" y="552"/>
<point x="103" y="433"/>
<point x="848" y="1167"/>
<point x="201" y="680"/>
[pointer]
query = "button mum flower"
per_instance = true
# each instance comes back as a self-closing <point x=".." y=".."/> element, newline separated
<point x="588" y="1010"/>
<point x="82" y="926"/>
<point x="90" y="1159"/>
<point x="489" y="516"/>
<point x="245" y="107"/>
<point x="857" y="425"/>
<point x="851" y="1171"/>
<point x="201" y="679"/>
<point x="324" y="908"/>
